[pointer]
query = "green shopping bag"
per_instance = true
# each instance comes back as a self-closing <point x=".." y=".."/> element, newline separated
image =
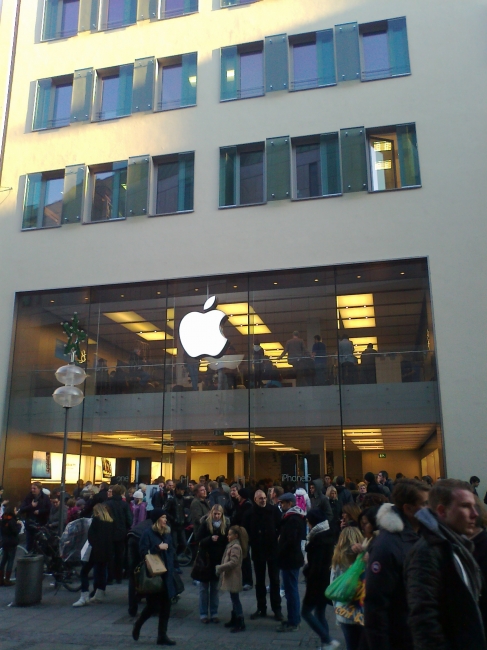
<point x="344" y="588"/>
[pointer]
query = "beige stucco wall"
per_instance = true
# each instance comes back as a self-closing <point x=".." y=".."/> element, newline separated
<point x="445" y="220"/>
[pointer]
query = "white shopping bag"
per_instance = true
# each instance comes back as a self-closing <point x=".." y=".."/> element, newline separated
<point x="86" y="551"/>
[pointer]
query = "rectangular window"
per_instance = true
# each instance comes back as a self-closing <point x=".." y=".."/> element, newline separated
<point x="384" y="49"/>
<point x="394" y="161"/>
<point x="109" y="192"/>
<point x="242" y="175"/>
<point x="175" y="183"/>
<point x="43" y="201"/>
<point x="317" y="165"/>
<point x="114" y="92"/>
<point x="178" y="77"/>
<point x="242" y="71"/>
<point x="174" y="8"/>
<point x="117" y="13"/>
<point x="53" y="102"/>
<point x="60" y="19"/>
<point x="313" y="60"/>
<point x="236" y="3"/>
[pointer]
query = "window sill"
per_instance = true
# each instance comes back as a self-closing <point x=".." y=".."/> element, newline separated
<point x="110" y="119"/>
<point x="175" y="108"/>
<point x="246" y="205"/>
<point x="313" y="198"/>
<point x="395" y="189"/>
<point x="298" y="90"/>
<point x="35" y="228"/>
<point x="91" y="223"/>
<point x="394" y="76"/>
<point x="61" y="37"/>
<point x="111" y="28"/>
<point x="168" y="214"/>
<point x="189" y="13"/>
<point x="50" y="128"/>
<point x="240" y="99"/>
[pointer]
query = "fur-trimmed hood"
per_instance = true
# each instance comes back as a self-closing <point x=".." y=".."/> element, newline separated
<point x="389" y="518"/>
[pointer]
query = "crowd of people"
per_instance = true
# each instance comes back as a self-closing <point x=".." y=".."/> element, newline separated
<point x="402" y="563"/>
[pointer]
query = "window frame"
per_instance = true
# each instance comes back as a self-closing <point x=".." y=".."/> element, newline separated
<point x="59" y="34"/>
<point x="172" y="61"/>
<point x="102" y="23"/>
<point x="384" y="131"/>
<point x="55" y="82"/>
<point x="102" y="75"/>
<point x="168" y="159"/>
<point x="58" y="174"/>
<point x="161" y="10"/>
<point x="239" y="149"/>
<point x="242" y="49"/>
<point x="91" y="187"/>
<point x="382" y="26"/>
<point x="315" y="139"/>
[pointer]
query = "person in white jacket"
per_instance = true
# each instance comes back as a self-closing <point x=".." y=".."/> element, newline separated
<point x="302" y="498"/>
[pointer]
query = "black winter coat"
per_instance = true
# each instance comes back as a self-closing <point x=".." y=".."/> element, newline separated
<point x="175" y="512"/>
<point x="319" y="551"/>
<point x="43" y="508"/>
<point x="100" y="536"/>
<point x="216" y="549"/>
<point x="344" y="495"/>
<point x="443" y="611"/>
<point x="121" y="515"/>
<point x="149" y="543"/>
<point x="480" y="555"/>
<point x="9" y="531"/>
<point x="320" y="500"/>
<point x="262" y="526"/>
<point x="239" y="513"/>
<point x="289" y="554"/>
<point x="385" y="606"/>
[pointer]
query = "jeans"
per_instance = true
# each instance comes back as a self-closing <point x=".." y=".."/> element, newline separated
<point x="236" y="604"/>
<point x="317" y="619"/>
<point x="99" y="575"/>
<point x="290" y="581"/>
<point x="211" y="589"/>
<point x="260" y="587"/>
<point x="8" y="557"/>
<point x="353" y="635"/>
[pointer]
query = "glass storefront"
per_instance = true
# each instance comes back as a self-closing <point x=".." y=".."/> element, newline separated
<point x="328" y="369"/>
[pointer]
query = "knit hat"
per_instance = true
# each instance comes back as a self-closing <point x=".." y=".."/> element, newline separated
<point x="369" y="477"/>
<point x="244" y="493"/>
<point x="156" y="513"/>
<point x="288" y="496"/>
<point x="315" y="516"/>
<point x="180" y="486"/>
<point x="80" y="503"/>
<point x="138" y="494"/>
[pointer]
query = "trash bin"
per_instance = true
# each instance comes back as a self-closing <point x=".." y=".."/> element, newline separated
<point x="28" y="585"/>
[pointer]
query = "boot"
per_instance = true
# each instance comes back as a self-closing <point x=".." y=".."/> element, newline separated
<point x="99" y="597"/>
<point x="2" y="583"/>
<point x="239" y="625"/>
<point x="260" y="613"/>
<point x="84" y="599"/>
<point x="165" y="640"/>
<point x="136" y="629"/>
<point x="7" y="582"/>
<point x="278" y="615"/>
<point x="232" y="621"/>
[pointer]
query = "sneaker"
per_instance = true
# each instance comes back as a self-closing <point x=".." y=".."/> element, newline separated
<point x="247" y="587"/>
<point x="282" y="593"/>
<point x="285" y="627"/>
<point x="330" y="646"/>
<point x="260" y="613"/>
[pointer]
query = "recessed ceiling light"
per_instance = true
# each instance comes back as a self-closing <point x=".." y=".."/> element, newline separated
<point x="402" y="272"/>
<point x="158" y="293"/>
<point x="358" y="277"/>
<point x="196" y="289"/>
<point x="122" y="295"/>
<point x="275" y="282"/>
<point x="86" y="298"/>
<point x="234" y="286"/>
<point x="52" y="300"/>
<point x="316" y="279"/>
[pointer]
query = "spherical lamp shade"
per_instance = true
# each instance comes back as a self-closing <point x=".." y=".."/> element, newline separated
<point x="71" y="375"/>
<point x="68" y="396"/>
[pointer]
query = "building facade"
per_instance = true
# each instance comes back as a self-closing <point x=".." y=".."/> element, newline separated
<point x="294" y="160"/>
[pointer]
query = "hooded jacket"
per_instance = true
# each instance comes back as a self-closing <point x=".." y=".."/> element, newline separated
<point x="443" y="610"/>
<point x="385" y="606"/>
<point x="289" y="554"/>
<point x="319" y="500"/>
<point x="319" y="551"/>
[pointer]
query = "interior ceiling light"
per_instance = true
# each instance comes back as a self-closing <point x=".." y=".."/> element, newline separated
<point x="383" y="145"/>
<point x="284" y="448"/>
<point x="244" y="318"/>
<point x="241" y="435"/>
<point x="383" y="164"/>
<point x="362" y="432"/>
<point x="368" y="448"/>
<point x="202" y="450"/>
<point x="172" y="351"/>
<point x="356" y="310"/>
<point x="134" y="322"/>
<point x="268" y="443"/>
<point x="368" y="441"/>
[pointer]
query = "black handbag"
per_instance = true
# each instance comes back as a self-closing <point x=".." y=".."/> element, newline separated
<point x="201" y="568"/>
<point x="144" y="584"/>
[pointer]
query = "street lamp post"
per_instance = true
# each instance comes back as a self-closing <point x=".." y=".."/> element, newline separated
<point x="69" y="395"/>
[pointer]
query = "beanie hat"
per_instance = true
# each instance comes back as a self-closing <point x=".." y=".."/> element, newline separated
<point x="315" y="516"/>
<point x="180" y="486"/>
<point x="244" y="493"/>
<point x="369" y="477"/>
<point x="138" y="494"/>
<point x="156" y="513"/>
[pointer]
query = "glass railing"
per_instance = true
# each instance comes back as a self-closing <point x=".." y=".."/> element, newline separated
<point x="235" y="372"/>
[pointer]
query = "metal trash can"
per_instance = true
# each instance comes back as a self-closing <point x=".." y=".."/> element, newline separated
<point x="28" y="585"/>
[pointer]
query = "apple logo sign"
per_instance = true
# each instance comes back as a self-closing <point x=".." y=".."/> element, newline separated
<point x="201" y="334"/>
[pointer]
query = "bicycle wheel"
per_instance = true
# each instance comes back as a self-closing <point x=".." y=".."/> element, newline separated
<point x="71" y="579"/>
<point x="186" y="556"/>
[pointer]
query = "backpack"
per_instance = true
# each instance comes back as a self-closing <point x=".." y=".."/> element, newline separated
<point x="301" y="502"/>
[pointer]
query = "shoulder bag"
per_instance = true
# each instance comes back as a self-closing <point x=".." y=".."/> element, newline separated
<point x="155" y="565"/>
<point x="144" y="583"/>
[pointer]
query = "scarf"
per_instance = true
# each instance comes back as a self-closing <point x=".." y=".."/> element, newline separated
<point x="319" y="528"/>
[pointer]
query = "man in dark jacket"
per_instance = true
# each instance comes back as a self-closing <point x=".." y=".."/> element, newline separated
<point x="122" y="521"/>
<point x="344" y="495"/>
<point x="262" y="525"/>
<point x="319" y="500"/>
<point x="385" y="481"/>
<point x="290" y="558"/>
<point x="243" y="506"/>
<point x="373" y="486"/>
<point x="385" y="606"/>
<point x="443" y="581"/>
<point x="35" y="508"/>
<point x="176" y="518"/>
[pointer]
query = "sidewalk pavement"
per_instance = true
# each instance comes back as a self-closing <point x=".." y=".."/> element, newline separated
<point x="55" y="625"/>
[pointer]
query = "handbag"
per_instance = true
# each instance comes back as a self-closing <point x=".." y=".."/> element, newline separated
<point x="155" y="565"/>
<point x="86" y="552"/>
<point x="201" y="568"/>
<point x="144" y="583"/>
<point x="345" y="587"/>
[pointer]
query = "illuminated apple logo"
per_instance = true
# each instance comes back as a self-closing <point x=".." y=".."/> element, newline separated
<point x="201" y="334"/>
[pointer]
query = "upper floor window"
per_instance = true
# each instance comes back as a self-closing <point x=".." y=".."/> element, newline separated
<point x="313" y="60"/>
<point x="178" y="77"/>
<point x="43" y="200"/>
<point x="173" y="8"/>
<point x="317" y="166"/>
<point x="384" y="49"/>
<point x="242" y="175"/>
<point x="235" y="3"/>
<point x="60" y="19"/>
<point x="114" y="92"/>
<point x="53" y="102"/>
<point x="109" y="187"/>
<point x="117" y="13"/>
<point x="394" y="161"/>
<point x="242" y="71"/>
<point x="175" y="183"/>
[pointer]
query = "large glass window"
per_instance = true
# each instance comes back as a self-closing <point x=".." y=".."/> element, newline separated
<point x="242" y="71"/>
<point x="53" y="102"/>
<point x="109" y="192"/>
<point x="384" y="49"/>
<point x="43" y="202"/>
<point x="175" y="181"/>
<point x="317" y="165"/>
<point x="313" y="60"/>
<point x="394" y="160"/>
<point x="114" y="93"/>
<point x="178" y="78"/>
<point x="60" y="19"/>
<point x="242" y="175"/>
<point x="173" y="8"/>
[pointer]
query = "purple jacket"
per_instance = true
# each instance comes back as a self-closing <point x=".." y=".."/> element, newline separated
<point x="138" y="512"/>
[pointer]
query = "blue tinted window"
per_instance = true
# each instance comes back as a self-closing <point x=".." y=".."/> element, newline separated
<point x="251" y="177"/>
<point x="53" y="202"/>
<point x="69" y="25"/>
<point x="109" y="101"/>
<point x="110" y="195"/>
<point x="251" y="74"/>
<point x="305" y="65"/>
<point x="171" y="86"/>
<point x="62" y="105"/>
<point x="116" y="13"/>
<point x="376" y="55"/>
<point x="173" y="8"/>
<point x="308" y="171"/>
<point x="167" y="188"/>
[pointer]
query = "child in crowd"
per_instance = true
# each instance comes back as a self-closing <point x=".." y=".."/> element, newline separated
<point x="9" y="531"/>
<point x="230" y="572"/>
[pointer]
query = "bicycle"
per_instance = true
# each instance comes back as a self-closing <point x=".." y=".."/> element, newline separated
<point x="65" y="574"/>
<point x="187" y="555"/>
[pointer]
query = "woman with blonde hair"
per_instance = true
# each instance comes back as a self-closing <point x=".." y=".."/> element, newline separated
<point x="230" y="572"/>
<point x="100" y="537"/>
<point x="212" y="538"/>
<point x="350" y="616"/>
<point x="157" y="540"/>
